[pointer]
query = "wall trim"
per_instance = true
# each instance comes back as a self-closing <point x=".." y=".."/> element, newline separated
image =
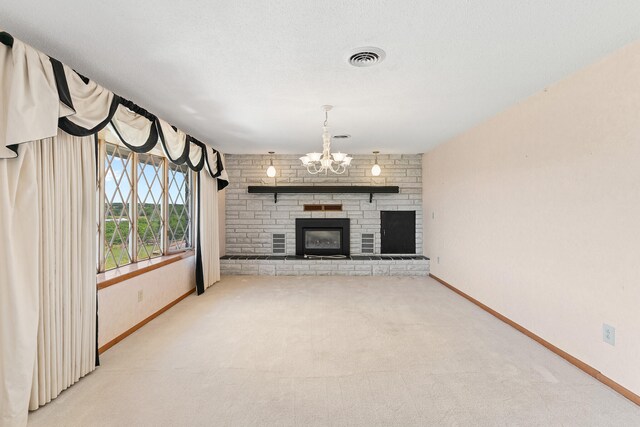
<point x="134" y="328"/>
<point x="569" y="358"/>
<point x="126" y="272"/>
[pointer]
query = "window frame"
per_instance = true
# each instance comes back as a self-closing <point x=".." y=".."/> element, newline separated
<point x="133" y="228"/>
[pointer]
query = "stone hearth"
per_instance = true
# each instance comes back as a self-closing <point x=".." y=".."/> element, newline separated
<point x="299" y="266"/>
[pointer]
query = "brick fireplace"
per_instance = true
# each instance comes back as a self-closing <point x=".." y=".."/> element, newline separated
<point x="255" y="222"/>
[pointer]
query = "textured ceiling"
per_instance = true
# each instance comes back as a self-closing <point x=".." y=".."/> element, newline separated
<point x="250" y="76"/>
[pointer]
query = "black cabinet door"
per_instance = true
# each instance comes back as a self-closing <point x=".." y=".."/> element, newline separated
<point x="398" y="232"/>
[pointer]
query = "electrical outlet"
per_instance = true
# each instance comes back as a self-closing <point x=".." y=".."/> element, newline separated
<point x="608" y="334"/>
<point x="433" y="215"/>
<point x="438" y="260"/>
<point x="140" y="295"/>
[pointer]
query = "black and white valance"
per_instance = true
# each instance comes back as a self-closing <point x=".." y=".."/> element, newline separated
<point x="93" y="105"/>
<point x="135" y="127"/>
<point x="40" y="95"/>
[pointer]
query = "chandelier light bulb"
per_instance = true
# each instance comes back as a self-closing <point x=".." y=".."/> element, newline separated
<point x="339" y="157"/>
<point x="314" y="157"/>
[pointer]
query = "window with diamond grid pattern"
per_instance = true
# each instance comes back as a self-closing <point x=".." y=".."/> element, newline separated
<point x="179" y="215"/>
<point x="150" y="219"/>
<point x="147" y="207"/>
<point x="117" y="206"/>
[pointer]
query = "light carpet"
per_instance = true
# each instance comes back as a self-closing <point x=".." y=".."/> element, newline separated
<point x="333" y="351"/>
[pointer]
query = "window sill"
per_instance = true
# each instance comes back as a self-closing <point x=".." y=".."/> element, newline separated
<point x="126" y="272"/>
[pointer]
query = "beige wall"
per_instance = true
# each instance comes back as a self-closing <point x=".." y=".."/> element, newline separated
<point x="118" y="306"/>
<point x="536" y="213"/>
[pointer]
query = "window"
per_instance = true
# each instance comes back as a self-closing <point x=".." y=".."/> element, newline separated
<point x="150" y="213"/>
<point x="117" y="206"/>
<point x="179" y="225"/>
<point x="145" y="206"/>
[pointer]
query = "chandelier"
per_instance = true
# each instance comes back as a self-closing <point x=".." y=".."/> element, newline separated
<point x="326" y="161"/>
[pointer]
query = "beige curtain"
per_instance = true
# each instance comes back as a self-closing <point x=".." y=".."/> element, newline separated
<point x="209" y="234"/>
<point x="19" y="282"/>
<point x="47" y="272"/>
<point x="66" y="339"/>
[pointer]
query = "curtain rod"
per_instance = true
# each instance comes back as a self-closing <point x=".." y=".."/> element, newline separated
<point x="6" y="38"/>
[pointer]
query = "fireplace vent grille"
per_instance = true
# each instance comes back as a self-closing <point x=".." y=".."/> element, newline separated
<point x="279" y="246"/>
<point x="367" y="243"/>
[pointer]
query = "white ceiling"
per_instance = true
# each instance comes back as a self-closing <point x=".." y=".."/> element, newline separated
<point x="250" y="76"/>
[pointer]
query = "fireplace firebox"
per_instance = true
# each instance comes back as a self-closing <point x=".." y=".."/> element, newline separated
<point x="320" y="236"/>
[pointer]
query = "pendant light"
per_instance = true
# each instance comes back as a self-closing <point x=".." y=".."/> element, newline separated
<point x="271" y="170"/>
<point x="376" y="170"/>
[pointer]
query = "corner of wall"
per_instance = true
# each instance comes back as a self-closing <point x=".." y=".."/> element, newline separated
<point x="222" y="222"/>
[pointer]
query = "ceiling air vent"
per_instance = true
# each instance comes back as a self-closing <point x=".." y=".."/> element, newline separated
<point x="366" y="56"/>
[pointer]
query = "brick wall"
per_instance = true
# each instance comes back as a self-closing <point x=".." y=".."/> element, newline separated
<point x="252" y="219"/>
